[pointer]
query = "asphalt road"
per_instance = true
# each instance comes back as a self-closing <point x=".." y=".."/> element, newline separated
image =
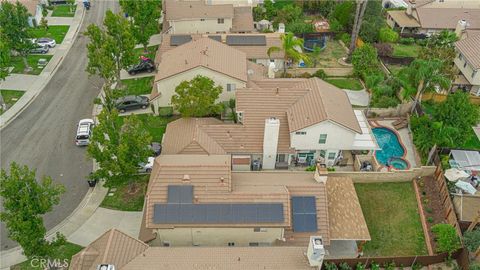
<point x="41" y="137"/>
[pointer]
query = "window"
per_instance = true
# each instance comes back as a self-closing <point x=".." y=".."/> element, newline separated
<point x="231" y="87"/>
<point x="300" y="133"/>
<point x="166" y="243"/>
<point x="323" y="153"/>
<point x="281" y="158"/>
<point x="240" y="117"/>
<point x="231" y="244"/>
<point x="258" y="229"/>
<point x="465" y="65"/>
<point x="323" y="139"/>
<point x="253" y="244"/>
<point x="202" y="20"/>
<point x="474" y="73"/>
<point x="460" y="56"/>
<point x="331" y="155"/>
<point x="220" y="20"/>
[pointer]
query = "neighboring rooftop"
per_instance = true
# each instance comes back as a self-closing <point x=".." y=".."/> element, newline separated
<point x="470" y="49"/>
<point x="195" y="9"/>
<point x="242" y="19"/>
<point x="31" y="5"/>
<point x="447" y="18"/>
<point x="403" y="19"/>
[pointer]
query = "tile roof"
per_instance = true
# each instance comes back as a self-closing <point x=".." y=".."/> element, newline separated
<point x="323" y="102"/>
<point x="195" y="9"/>
<point x="447" y="18"/>
<point x="403" y="19"/>
<point x="203" y="52"/>
<point x="470" y="49"/>
<point x="31" y="5"/>
<point x="242" y="19"/>
<point x="113" y="247"/>
<point x="222" y="258"/>
<point x="346" y="220"/>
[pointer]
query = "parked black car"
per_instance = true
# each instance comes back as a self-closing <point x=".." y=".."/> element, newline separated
<point x="143" y="66"/>
<point x="127" y="103"/>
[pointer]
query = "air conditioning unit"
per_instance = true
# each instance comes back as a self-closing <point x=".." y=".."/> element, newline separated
<point x="106" y="267"/>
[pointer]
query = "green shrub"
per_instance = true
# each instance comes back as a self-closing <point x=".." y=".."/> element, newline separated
<point x="330" y="169"/>
<point x="446" y="238"/>
<point x="417" y="266"/>
<point x="304" y="75"/>
<point x="389" y="266"/>
<point x="320" y="74"/>
<point x="344" y="266"/>
<point x="310" y="168"/>
<point x="471" y="239"/>
<point x="387" y="34"/>
<point x="165" y="111"/>
<point x="360" y="266"/>
<point x="430" y="219"/>
<point x="474" y="266"/>
<point x="407" y="41"/>
<point x="346" y="39"/>
<point x="422" y="42"/>
<point x="330" y="266"/>
<point x="365" y="60"/>
<point x="373" y="80"/>
<point x="374" y="266"/>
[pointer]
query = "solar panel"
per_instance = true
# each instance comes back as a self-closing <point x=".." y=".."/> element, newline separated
<point x="245" y="40"/>
<point x="304" y="213"/>
<point x="178" y="40"/>
<point x="180" y="194"/>
<point x="172" y="213"/>
<point x="216" y="37"/>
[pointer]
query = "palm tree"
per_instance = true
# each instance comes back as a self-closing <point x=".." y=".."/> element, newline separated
<point x="426" y="75"/>
<point x="360" y="11"/>
<point x="315" y="54"/>
<point x="292" y="48"/>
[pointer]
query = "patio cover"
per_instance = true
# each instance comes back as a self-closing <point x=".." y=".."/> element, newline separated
<point x="455" y="174"/>
<point x="402" y="19"/>
<point x="467" y="187"/>
<point x="468" y="160"/>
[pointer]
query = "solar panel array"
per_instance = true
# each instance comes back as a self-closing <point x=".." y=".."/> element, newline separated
<point x="177" y="40"/>
<point x="180" y="194"/>
<point x="232" y="213"/>
<point x="245" y="40"/>
<point x="216" y="37"/>
<point x="304" y="212"/>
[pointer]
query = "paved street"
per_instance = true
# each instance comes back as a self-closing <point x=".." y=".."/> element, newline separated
<point x="42" y="135"/>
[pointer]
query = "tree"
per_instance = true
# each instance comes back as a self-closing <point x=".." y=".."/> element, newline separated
<point x="145" y="16"/>
<point x="232" y="106"/>
<point x="447" y="239"/>
<point x="14" y="22"/>
<point x="343" y="14"/>
<point x="471" y="239"/>
<point x="365" y="60"/>
<point x="387" y="34"/>
<point x="4" y="57"/>
<point x="196" y="98"/>
<point x="288" y="14"/>
<point x="110" y="50"/>
<point x="299" y="27"/>
<point x="292" y="48"/>
<point x="315" y="54"/>
<point x="373" y="20"/>
<point x="441" y="46"/>
<point x="360" y="11"/>
<point x="118" y="148"/>
<point x="71" y="3"/>
<point x="24" y="202"/>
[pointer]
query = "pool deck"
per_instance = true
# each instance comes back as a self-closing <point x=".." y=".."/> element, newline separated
<point x="405" y="139"/>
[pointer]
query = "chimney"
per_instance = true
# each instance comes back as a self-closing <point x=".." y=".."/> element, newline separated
<point x="321" y="174"/>
<point x="410" y="8"/>
<point x="315" y="251"/>
<point x="270" y="142"/>
<point x="460" y="28"/>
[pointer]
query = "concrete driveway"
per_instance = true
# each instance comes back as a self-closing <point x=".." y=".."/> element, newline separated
<point x="42" y="135"/>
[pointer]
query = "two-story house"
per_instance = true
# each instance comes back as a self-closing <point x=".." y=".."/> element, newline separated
<point x="282" y="123"/>
<point x="467" y="61"/>
<point x="225" y="65"/>
<point x="34" y="8"/>
<point x="200" y="17"/>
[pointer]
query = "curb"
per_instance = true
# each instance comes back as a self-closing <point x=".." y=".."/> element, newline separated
<point x="3" y="122"/>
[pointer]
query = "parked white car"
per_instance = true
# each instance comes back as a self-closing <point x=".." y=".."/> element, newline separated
<point x="146" y="167"/>
<point x="84" y="132"/>
<point x="46" y="42"/>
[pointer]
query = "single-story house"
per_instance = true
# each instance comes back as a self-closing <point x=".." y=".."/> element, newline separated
<point x="282" y="123"/>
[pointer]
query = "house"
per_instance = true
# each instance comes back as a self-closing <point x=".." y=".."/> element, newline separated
<point x="282" y="123"/>
<point x="467" y="61"/>
<point x="200" y="16"/>
<point x="225" y="65"/>
<point x="127" y="253"/>
<point x="429" y="17"/>
<point x="254" y="45"/>
<point x="34" y="8"/>
<point x="197" y="200"/>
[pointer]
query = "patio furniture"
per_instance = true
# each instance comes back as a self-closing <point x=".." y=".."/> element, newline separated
<point x="455" y="174"/>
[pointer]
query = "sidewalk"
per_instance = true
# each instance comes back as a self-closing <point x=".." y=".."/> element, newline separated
<point x="24" y="82"/>
<point x="154" y="40"/>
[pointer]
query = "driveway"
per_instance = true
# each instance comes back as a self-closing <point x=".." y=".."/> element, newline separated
<point x="42" y="135"/>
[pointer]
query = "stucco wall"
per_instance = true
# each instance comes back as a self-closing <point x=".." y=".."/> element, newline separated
<point x="194" y="26"/>
<point x="467" y="70"/>
<point x="393" y="176"/>
<point x="217" y="236"/>
<point x="167" y="86"/>
<point x="338" y="138"/>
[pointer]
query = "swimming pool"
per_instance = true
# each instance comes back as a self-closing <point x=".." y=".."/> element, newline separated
<point x="392" y="151"/>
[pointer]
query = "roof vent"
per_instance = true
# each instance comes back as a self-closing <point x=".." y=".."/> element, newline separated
<point x="106" y="267"/>
<point x="186" y="177"/>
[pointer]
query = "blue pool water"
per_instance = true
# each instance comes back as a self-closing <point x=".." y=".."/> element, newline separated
<point x="391" y="149"/>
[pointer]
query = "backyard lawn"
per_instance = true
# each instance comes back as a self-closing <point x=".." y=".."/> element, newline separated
<point x="345" y="83"/>
<point x="56" y="32"/>
<point x="64" y="252"/>
<point x="154" y="124"/>
<point x="392" y="216"/>
<point x="10" y="97"/>
<point x="140" y="86"/>
<point x="63" y="11"/>
<point x="330" y="55"/>
<point x="19" y="66"/>
<point x="124" y="198"/>
<point x="402" y="50"/>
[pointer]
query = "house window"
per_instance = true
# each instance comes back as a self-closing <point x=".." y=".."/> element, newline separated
<point x="253" y="244"/>
<point x="323" y="153"/>
<point x="465" y="65"/>
<point x="220" y="20"/>
<point x="202" y="20"/>
<point x="300" y="133"/>
<point x="166" y="243"/>
<point x="331" y="155"/>
<point x="281" y="158"/>
<point x="240" y="117"/>
<point x="474" y="73"/>
<point x="460" y="56"/>
<point x="258" y="229"/>
<point x="323" y="139"/>
<point x="231" y="244"/>
<point x="231" y="87"/>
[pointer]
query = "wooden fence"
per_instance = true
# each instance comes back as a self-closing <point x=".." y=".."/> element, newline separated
<point x="436" y="97"/>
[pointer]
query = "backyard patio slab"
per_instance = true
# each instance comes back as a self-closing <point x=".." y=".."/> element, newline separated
<point x="358" y="98"/>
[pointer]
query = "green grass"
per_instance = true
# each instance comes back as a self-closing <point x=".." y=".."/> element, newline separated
<point x="63" y="11"/>
<point x="345" y="83"/>
<point x="126" y="199"/>
<point x="140" y="86"/>
<point x="473" y="143"/>
<point x="393" y="220"/>
<point x="151" y="52"/>
<point x="329" y="55"/>
<point x="56" y="32"/>
<point x="19" y="67"/>
<point x="10" y="97"/>
<point x="402" y="50"/>
<point x="64" y="252"/>
<point x="155" y="125"/>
